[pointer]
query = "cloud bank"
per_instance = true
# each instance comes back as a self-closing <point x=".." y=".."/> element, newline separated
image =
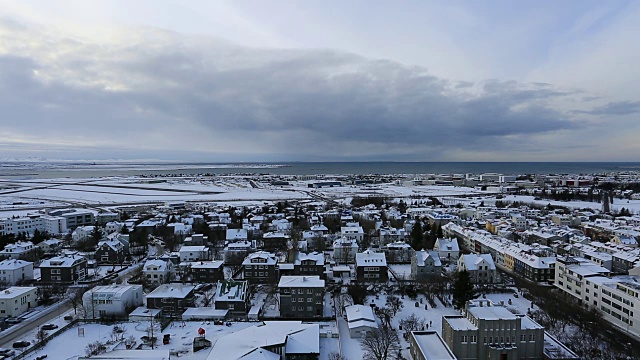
<point x="144" y="92"/>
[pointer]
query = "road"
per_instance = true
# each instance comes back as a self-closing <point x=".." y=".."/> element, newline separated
<point x="15" y="332"/>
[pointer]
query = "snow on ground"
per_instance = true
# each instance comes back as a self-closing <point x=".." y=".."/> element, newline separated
<point x="403" y="271"/>
<point x="181" y="338"/>
<point x="632" y="205"/>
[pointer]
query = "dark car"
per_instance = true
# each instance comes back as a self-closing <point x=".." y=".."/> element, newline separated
<point x="21" y="344"/>
<point x="6" y="352"/>
<point x="49" y="327"/>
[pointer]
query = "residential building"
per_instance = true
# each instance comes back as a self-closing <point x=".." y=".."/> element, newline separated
<point x="75" y="217"/>
<point x="360" y="320"/>
<point x="429" y="345"/>
<point x="158" y="271"/>
<point x="208" y="272"/>
<point x="481" y="268"/>
<point x="63" y="269"/>
<point x="232" y="295"/>
<point x="425" y="265"/>
<point x="260" y="268"/>
<point x="112" y="301"/>
<point x="110" y="251"/>
<point x="194" y="253"/>
<point x="236" y="252"/>
<point x="447" y="249"/>
<point x="284" y="340"/>
<point x="492" y="332"/>
<point x="234" y="235"/>
<point x="50" y="246"/>
<point x="309" y="264"/>
<point x="398" y="252"/>
<point x="301" y="296"/>
<point x="24" y="250"/>
<point x="275" y="241"/>
<point x="371" y="266"/>
<point x="15" y="301"/>
<point x="82" y="233"/>
<point x="352" y="233"/>
<point x="345" y="250"/>
<point x="172" y="299"/>
<point x="14" y="272"/>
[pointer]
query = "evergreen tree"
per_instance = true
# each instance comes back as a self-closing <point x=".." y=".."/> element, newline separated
<point x="96" y="235"/>
<point x="463" y="289"/>
<point x="416" y="236"/>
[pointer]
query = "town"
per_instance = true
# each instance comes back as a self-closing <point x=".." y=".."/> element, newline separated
<point x="243" y="266"/>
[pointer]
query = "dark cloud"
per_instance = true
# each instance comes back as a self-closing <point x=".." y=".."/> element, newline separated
<point x="288" y="104"/>
<point x="614" y="108"/>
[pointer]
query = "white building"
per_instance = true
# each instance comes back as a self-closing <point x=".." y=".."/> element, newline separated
<point x="447" y="249"/>
<point x="81" y="233"/>
<point x="194" y="253"/>
<point x="111" y="301"/>
<point x="53" y="224"/>
<point x="18" y="250"/>
<point x="15" y="301"/>
<point x="481" y="268"/>
<point x="352" y="233"/>
<point x="360" y="319"/>
<point x="14" y="271"/>
<point x="157" y="271"/>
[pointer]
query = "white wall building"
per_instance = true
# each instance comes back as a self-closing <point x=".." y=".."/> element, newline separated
<point x="111" y="301"/>
<point x="194" y="253"/>
<point x="447" y="249"/>
<point x="14" y="271"/>
<point x="157" y="271"/>
<point x="15" y="301"/>
<point x="360" y="319"/>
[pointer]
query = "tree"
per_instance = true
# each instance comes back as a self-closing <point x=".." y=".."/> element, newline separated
<point x="380" y="343"/>
<point x="358" y="293"/>
<point x="95" y="348"/>
<point x="75" y="297"/>
<point x="41" y="335"/>
<point x="463" y="289"/>
<point x="394" y="304"/>
<point x="417" y="236"/>
<point x="412" y="323"/>
<point x="96" y="235"/>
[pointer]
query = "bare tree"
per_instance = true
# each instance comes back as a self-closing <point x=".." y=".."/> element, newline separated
<point x="412" y="323"/>
<point x="41" y="335"/>
<point x="152" y="331"/>
<point x="380" y="343"/>
<point x="95" y="348"/>
<point x="75" y="297"/>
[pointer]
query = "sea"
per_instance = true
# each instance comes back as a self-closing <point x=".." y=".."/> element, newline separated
<point x="39" y="170"/>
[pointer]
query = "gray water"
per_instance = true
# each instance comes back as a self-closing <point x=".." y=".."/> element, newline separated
<point x="84" y="170"/>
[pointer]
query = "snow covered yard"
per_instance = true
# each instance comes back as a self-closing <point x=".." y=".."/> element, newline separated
<point x="182" y="335"/>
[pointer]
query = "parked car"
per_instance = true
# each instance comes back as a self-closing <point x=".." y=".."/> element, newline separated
<point x="13" y="320"/>
<point x="21" y="344"/>
<point x="6" y="352"/>
<point x="49" y="327"/>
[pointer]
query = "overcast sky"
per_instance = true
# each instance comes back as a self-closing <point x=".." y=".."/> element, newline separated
<point x="320" y="80"/>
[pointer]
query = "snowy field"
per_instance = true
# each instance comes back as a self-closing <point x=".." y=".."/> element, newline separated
<point x="632" y="205"/>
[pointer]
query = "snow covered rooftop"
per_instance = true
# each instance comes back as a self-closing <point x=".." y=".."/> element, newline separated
<point x="176" y="291"/>
<point x="301" y="281"/>
<point x="423" y="255"/>
<point x="15" y="291"/>
<point x="207" y="264"/>
<point x="459" y="322"/>
<point x="370" y="258"/>
<point x="491" y="313"/>
<point x="297" y="338"/>
<point x="432" y="346"/>
<point x="230" y="290"/>
<point x="314" y="256"/>
<point x="360" y="312"/>
<point x="261" y="257"/>
<point x="62" y="261"/>
<point x="472" y="261"/>
<point x="12" y="264"/>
